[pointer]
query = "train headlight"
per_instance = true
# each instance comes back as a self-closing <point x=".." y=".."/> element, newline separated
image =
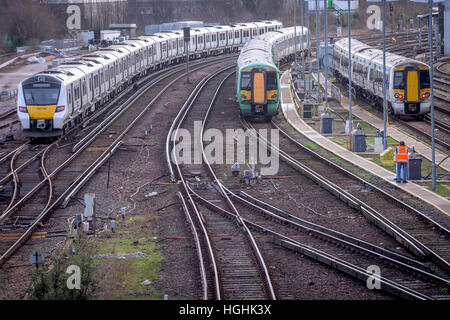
<point x="244" y="97"/>
<point x="425" y="95"/>
<point x="274" y="96"/>
<point x="23" y="109"/>
<point x="396" y="95"/>
<point x="60" y="108"/>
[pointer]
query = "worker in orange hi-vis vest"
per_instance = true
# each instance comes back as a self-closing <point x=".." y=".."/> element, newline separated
<point x="401" y="160"/>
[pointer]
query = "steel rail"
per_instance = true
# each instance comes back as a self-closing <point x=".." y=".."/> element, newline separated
<point x="196" y="237"/>
<point x="399" y="234"/>
<point x="79" y="150"/>
<point x="346" y="197"/>
<point x="362" y="246"/>
<point x="323" y="257"/>
<point x="171" y="138"/>
<point x="44" y="214"/>
<point x="15" y="176"/>
<point x="240" y="221"/>
<point x="76" y="185"/>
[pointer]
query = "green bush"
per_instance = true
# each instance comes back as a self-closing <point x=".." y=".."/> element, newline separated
<point x="50" y="282"/>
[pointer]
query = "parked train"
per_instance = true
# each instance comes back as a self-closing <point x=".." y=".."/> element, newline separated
<point x="257" y="76"/>
<point x="57" y="99"/>
<point x="407" y="80"/>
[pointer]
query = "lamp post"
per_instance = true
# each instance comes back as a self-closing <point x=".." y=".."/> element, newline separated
<point x="430" y="45"/>
<point x="349" y="68"/>
<point x="384" y="76"/>
<point x="301" y="40"/>
<point x="309" y="39"/>
<point x="295" y="34"/>
<point x="325" y="59"/>
<point x="317" y="47"/>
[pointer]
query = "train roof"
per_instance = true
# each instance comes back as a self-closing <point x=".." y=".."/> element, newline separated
<point x="256" y="51"/>
<point x="363" y="51"/>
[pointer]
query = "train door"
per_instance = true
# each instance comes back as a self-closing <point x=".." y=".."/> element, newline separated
<point x="259" y="87"/>
<point x="70" y="99"/>
<point x="412" y="85"/>
<point x="84" y="97"/>
<point x="91" y="88"/>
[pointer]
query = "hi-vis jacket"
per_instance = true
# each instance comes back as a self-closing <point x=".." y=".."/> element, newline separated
<point x="401" y="154"/>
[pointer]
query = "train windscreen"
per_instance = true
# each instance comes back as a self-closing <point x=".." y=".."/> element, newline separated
<point x="272" y="83"/>
<point x="424" y="79"/>
<point x="246" y="81"/>
<point x="41" y="93"/>
<point x="399" y="82"/>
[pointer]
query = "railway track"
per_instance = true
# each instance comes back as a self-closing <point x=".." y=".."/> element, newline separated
<point x="8" y="118"/>
<point x="424" y="237"/>
<point x="402" y="276"/>
<point x="227" y="245"/>
<point x="63" y="170"/>
<point x="441" y="134"/>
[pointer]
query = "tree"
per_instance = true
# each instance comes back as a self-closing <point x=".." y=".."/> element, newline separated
<point x="51" y="282"/>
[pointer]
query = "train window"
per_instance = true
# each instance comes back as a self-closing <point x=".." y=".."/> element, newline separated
<point x="424" y="79"/>
<point x="41" y="93"/>
<point x="180" y="43"/>
<point x="214" y="37"/>
<point x="230" y="35"/>
<point x="84" y="88"/>
<point x="236" y="34"/>
<point x="207" y="38"/>
<point x="271" y="80"/>
<point x="69" y="97"/>
<point x="245" y="81"/>
<point x="399" y="82"/>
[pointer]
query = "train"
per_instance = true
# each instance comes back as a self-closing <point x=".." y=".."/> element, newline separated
<point x="53" y="101"/>
<point x="407" y="80"/>
<point x="257" y="73"/>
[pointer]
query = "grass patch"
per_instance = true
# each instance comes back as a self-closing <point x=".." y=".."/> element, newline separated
<point x="123" y="277"/>
<point x="340" y="141"/>
<point x="310" y="145"/>
<point x="442" y="190"/>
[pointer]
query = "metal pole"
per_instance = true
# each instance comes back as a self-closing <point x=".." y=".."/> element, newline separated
<point x="317" y="47"/>
<point x="301" y="40"/>
<point x="384" y="74"/>
<point x="325" y="56"/>
<point x="430" y="44"/>
<point x="309" y="39"/>
<point x="349" y="67"/>
<point x="295" y="34"/>
<point x="187" y="61"/>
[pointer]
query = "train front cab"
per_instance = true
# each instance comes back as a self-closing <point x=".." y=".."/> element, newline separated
<point x="411" y="90"/>
<point x="259" y="92"/>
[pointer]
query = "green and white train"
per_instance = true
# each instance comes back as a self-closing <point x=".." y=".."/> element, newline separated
<point x="257" y="76"/>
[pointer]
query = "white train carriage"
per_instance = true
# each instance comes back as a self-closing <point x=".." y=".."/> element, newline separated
<point x="407" y="80"/>
<point x="57" y="99"/>
<point x="247" y="31"/>
<point x="197" y="43"/>
<point x="149" y="47"/>
<point x="282" y="41"/>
